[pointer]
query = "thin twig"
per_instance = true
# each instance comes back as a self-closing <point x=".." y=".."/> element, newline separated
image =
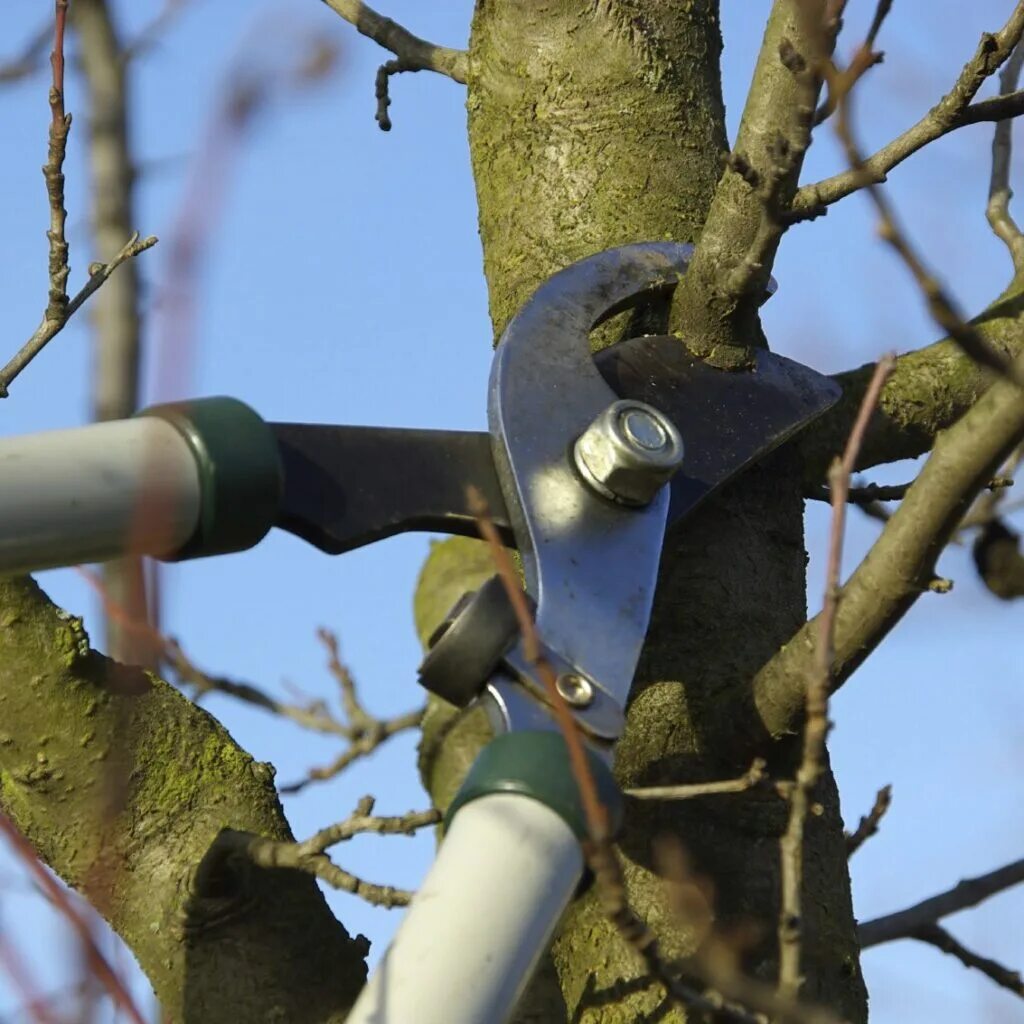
<point x="936" y="935"/>
<point x="53" y="172"/>
<point x="953" y="111"/>
<point x="595" y="813"/>
<point x="868" y="824"/>
<point x="752" y="777"/>
<point x="60" y="899"/>
<point x="818" y="685"/>
<point x="967" y="893"/>
<point x="999" y="192"/>
<point x="50" y="328"/>
<point x="309" y="856"/>
<point x="411" y="52"/>
<point x="941" y="305"/>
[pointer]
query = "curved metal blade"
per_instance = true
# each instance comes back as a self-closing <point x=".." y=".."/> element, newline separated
<point x="590" y="565"/>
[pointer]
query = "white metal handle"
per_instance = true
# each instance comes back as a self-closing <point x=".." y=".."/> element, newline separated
<point x="480" y="922"/>
<point x="94" y="493"/>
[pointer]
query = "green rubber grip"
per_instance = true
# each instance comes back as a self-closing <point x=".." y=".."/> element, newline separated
<point x="536" y="764"/>
<point x="240" y="474"/>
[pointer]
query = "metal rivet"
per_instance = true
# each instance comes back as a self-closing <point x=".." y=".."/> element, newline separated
<point x="575" y="690"/>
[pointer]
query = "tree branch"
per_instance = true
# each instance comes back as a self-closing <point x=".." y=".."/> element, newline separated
<point x="901" y="563"/>
<point x="49" y="329"/>
<point x="753" y="776"/>
<point x="999" y="193"/>
<point x="70" y="721"/>
<point x="116" y="318"/>
<point x="411" y="52"/>
<point x="952" y="111"/>
<point x="309" y="856"/>
<point x="868" y="824"/>
<point x="965" y="894"/>
<point x="937" y="936"/>
<point x="812" y="760"/>
<point x="717" y="301"/>
<point x="929" y="390"/>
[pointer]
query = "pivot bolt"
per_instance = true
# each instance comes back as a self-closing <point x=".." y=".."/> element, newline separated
<point x="576" y="691"/>
<point x="629" y="452"/>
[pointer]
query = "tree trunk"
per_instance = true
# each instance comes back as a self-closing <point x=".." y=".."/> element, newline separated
<point x="593" y="125"/>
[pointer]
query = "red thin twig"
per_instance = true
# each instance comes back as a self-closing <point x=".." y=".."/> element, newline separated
<point x="59" y="898"/>
<point x="57" y="61"/>
<point x="598" y="825"/>
<point x="816" y="725"/>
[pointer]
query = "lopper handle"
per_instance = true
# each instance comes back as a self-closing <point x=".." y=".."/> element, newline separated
<point x="178" y="481"/>
<point x="478" y="925"/>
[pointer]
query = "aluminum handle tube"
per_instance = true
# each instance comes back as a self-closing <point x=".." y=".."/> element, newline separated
<point x="477" y="927"/>
<point x="93" y="493"/>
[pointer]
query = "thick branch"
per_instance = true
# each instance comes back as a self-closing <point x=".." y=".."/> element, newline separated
<point x="413" y="53"/>
<point x="953" y="111"/>
<point x="929" y="390"/>
<point x="72" y="724"/>
<point x="968" y="893"/>
<point x="901" y="564"/>
<point x="716" y="304"/>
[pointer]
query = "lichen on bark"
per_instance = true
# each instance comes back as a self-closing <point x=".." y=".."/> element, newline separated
<point x="121" y="784"/>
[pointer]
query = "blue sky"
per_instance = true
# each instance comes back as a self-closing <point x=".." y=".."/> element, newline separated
<point x="341" y="282"/>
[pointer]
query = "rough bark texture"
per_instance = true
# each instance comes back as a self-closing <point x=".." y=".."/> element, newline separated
<point x="121" y="784"/>
<point x="593" y="125"/>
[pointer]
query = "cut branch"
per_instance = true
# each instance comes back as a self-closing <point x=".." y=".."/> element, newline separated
<point x="953" y="111"/>
<point x="965" y="894"/>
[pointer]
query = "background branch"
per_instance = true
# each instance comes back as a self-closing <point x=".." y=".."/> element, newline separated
<point x="900" y="565"/>
<point x="967" y="893"/>
<point x="936" y="935"/>
<point x="951" y="112"/>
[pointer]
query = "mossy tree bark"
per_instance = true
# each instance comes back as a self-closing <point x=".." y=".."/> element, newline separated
<point x="593" y="125"/>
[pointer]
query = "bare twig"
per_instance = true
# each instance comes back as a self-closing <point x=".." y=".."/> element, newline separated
<point x="364" y="732"/>
<point x="753" y="776"/>
<point x="48" y="329"/>
<point x="309" y="855"/>
<point x="866" y="494"/>
<point x="53" y="172"/>
<point x="940" y="304"/>
<point x="967" y="893"/>
<point x="953" y="111"/>
<point x="862" y="61"/>
<point x="411" y="52"/>
<point x="868" y="824"/>
<point x="901" y="563"/>
<point x="999" y="192"/>
<point x="101" y="969"/>
<point x="936" y="935"/>
<point x="818" y="686"/>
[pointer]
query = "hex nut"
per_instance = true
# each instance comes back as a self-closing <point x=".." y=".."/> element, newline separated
<point x="629" y="452"/>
